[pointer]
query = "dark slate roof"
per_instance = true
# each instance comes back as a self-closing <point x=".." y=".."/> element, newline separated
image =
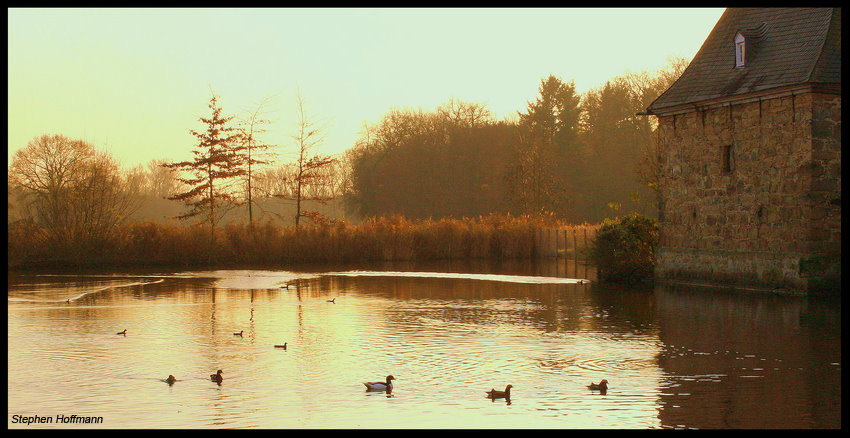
<point x="792" y="46"/>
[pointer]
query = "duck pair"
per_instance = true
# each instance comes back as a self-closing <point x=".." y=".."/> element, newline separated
<point x="276" y="346"/>
<point x="214" y="377"/>
<point x="374" y="386"/>
<point x="602" y="387"/>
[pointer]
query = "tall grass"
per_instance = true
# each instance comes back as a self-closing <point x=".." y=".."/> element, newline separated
<point x="392" y="238"/>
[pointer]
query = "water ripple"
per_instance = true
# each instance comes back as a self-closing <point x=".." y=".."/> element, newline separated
<point x="446" y="342"/>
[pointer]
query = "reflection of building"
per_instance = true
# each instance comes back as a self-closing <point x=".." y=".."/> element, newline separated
<point x="748" y="360"/>
<point x="749" y="144"/>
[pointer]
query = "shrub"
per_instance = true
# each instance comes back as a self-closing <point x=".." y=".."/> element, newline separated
<point x="624" y="250"/>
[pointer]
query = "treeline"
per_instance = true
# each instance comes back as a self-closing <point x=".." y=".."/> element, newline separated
<point x="580" y="157"/>
<point x="70" y="198"/>
<point x="568" y="158"/>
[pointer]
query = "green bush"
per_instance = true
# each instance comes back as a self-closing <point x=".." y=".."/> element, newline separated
<point x="624" y="250"/>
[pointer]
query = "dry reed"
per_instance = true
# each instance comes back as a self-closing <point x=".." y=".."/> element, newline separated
<point x="393" y="238"/>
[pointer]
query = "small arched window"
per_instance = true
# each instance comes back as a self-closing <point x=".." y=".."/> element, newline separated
<point x="740" y="50"/>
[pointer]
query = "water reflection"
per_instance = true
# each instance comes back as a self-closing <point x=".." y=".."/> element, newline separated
<point x="754" y="361"/>
<point x="672" y="358"/>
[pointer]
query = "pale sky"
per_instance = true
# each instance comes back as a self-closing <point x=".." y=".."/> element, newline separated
<point x="135" y="81"/>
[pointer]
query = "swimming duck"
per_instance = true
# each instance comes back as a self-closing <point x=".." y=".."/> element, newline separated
<point x="332" y="301"/>
<point x="238" y="334"/>
<point x="602" y="386"/>
<point x="380" y="386"/>
<point x="492" y="393"/>
<point x="122" y="332"/>
<point x="216" y="377"/>
<point x="281" y="346"/>
<point x="170" y="380"/>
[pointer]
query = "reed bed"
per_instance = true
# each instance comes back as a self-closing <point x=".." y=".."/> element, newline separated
<point x="392" y="238"/>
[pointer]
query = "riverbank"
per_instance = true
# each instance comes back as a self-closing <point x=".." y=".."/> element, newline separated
<point x="379" y="239"/>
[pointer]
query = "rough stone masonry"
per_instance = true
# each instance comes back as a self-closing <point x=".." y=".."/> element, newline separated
<point x="750" y="193"/>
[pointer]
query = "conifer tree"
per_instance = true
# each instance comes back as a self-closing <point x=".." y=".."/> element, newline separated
<point x="216" y="161"/>
<point x="543" y="175"/>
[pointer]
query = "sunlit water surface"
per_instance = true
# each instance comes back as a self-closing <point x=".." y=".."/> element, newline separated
<point x="674" y="358"/>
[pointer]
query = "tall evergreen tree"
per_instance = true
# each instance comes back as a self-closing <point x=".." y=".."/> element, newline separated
<point x="216" y="161"/>
<point x="554" y="115"/>
<point x="543" y="177"/>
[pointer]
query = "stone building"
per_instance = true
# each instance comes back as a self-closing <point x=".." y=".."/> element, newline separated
<point x="749" y="144"/>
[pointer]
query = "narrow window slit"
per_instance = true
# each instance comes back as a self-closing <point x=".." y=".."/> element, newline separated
<point x="726" y="159"/>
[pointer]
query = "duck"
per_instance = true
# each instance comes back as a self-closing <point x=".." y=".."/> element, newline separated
<point x="216" y="377"/>
<point x="332" y="301"/>
<point x="124" y="332"/>
<point x="492" y="393"/>
<point x="238" y="334"/>
<point x="602" y="386"/>
<point x="281" y="346"/>
<point x="170" y="380"/>
<point x="380" y="386"/>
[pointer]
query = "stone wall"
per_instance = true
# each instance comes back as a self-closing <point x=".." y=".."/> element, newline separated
<point x="822" y="267"/>
<point x="825" y="191"/>
<point x="778" y="205"/>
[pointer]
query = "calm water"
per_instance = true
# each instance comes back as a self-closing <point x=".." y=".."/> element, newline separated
<point x="673" y="358"/>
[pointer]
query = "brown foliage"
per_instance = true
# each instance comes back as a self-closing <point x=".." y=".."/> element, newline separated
<point x="393" y="238"/>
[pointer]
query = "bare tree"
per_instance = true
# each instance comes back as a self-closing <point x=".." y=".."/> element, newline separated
<point x="162" y="181"/>
<point x="647" y="88"/>
<point x="469" y="114"/>
<point x="254" y="150"/>
<point x="102" y="199"/>
<point x="308" y="164"/>
<point x="533" y="186"/>
<point x="74" y="193"/>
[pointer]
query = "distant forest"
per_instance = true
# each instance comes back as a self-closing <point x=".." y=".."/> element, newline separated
<point x="579" y="158"/>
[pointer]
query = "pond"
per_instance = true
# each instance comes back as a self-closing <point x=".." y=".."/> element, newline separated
<point x="674" y="358"/>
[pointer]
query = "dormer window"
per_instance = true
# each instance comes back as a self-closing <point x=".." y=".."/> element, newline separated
<point x="740" y="50"/>
<point x="746" y="44"/>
